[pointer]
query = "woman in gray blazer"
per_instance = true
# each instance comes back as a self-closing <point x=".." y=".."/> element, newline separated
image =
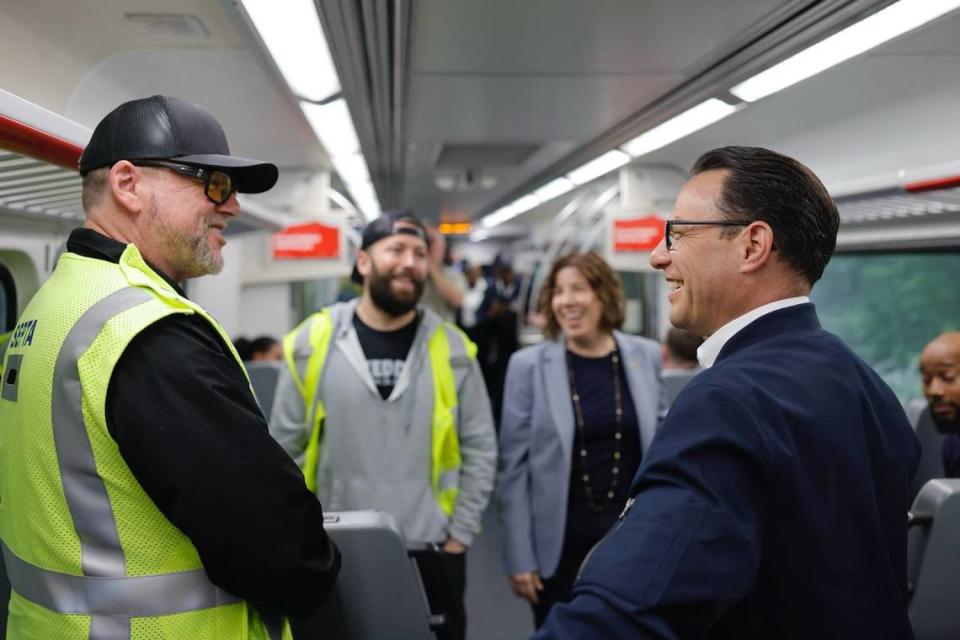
<point x="579" y="410"/>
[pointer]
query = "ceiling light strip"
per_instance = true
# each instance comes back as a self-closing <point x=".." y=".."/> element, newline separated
<point x="690" y="121"/>
<point x="884" y="25"/>
<point x="293" y="35"/>
<point x="866" y="34"/>
<point x="613" y="159"/>
<point x="295" y="39"/>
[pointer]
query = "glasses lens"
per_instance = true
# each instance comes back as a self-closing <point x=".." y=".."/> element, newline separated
<point x="220" y="187"/>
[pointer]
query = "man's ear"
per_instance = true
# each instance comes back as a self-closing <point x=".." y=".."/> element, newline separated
<point x="128" y="187"/>
<point x="363" y="263"/>
<point x="756" y="246"/>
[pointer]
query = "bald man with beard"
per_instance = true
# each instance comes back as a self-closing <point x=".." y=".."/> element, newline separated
<point x="940" y="370"/>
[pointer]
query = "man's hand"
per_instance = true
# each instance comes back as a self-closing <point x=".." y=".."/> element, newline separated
<point x="449" y="292"/>
<point x="452" y="545"/>
<point x="438" y="246"/>
<point x="527" y="585"/>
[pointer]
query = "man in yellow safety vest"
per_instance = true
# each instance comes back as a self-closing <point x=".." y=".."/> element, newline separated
<point x="141" y="495"/>
<point x="384" y="405"/>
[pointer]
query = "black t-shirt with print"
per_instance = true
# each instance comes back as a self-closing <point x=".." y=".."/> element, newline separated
<point x="386" y="351"/>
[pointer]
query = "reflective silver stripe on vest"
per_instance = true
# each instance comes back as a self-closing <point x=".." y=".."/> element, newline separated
<point x="138" y="596"/>
<point x="87" y="499"/>
<point x="103" y="592"/>
<point x="109" y="628"/>
<point x="449" y="480"/>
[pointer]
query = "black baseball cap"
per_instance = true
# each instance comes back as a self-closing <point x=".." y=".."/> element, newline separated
<point x="165" y="128"/>
<point x="390" y="223"/>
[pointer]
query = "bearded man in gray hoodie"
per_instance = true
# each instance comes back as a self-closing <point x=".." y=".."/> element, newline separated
<point x="383" y="405"/>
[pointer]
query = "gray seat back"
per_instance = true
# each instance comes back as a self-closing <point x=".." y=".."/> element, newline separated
<point x="264" y="375"/>
<point x="378" y="594"/>
<point x="674" y="380"/>
<point x="933" y="561"/>
<point x="931" y="459"/>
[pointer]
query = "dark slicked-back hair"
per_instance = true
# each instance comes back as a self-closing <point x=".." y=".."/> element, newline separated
<point x="769" y="186"/>
<point x="603" y="280"/>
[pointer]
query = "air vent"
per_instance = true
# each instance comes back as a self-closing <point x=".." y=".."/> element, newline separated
<point x="892" y="204"/>
<point x="466" y="180"/>
<point x="168" y="24"/>
<point x="32" y="187"/>
<point x="473" y="156"/>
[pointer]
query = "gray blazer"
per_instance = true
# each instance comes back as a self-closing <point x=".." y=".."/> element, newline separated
<point x="536" y="444"/>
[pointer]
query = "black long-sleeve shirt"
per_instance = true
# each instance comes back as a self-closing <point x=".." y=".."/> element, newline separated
<point x="191" y="432"/>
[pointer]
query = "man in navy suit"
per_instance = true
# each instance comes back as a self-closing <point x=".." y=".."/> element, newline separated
<point x="773" y="501"/>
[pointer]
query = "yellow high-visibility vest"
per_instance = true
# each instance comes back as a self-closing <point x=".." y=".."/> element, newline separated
<point x="4" y="341"/>
<point x="89" y="554"/>
<point x="317" y="332"/>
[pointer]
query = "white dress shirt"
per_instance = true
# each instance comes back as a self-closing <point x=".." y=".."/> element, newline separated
<point x="708" y="351"/>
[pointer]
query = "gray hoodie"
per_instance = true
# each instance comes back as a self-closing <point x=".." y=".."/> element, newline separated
<point x="375" y="453"/>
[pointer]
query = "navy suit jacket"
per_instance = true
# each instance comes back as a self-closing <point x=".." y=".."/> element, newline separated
<point x="772" y="503"/>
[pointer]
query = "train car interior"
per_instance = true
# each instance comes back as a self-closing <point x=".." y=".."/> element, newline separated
<point x="524" y="129"/>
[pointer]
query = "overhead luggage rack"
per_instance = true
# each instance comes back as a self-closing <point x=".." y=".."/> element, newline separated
<point x="33" y="187"/>
<point x="39" y="152"/>
<point x="899" y="203"/>
<point x="922" y="214"/>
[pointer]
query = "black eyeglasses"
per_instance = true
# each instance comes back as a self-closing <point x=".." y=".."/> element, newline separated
<point x="669" y="240"/>
<point x="217" y="185"/>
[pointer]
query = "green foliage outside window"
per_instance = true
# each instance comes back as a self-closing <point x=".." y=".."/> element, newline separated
<point x="887" y="307"/>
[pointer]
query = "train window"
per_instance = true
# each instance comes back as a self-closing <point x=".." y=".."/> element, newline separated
<point x="888" y="306"/>
<point x="640" y="290"/>
<point x="8" y="300"/>
<point x="312" y="295"/>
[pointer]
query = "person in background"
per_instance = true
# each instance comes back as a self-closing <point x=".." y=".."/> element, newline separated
<point x="471" y="308"/>
<point x="506" y="287"/>
<point x="579" y="411"/>
<point x="141" y="494"/>
<point x="679" y="361"/>
<point x="471" y="316"/>
<point x="940" y="372"/>
<point x="772" y="502"/>
<point x="680" y="350"/>
<point x="383" y="405"/>
<point x="446" y="285"/>
<point x="265" y="348"/>
<point x="348" y="289"/>
<point x="500" y="327"/>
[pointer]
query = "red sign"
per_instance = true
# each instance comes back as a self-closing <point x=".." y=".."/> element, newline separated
<point x="637" y="234"/>
<point x="306" y="241"/>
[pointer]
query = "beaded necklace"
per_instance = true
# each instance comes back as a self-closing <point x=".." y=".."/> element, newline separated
<point x="582" y="436"/>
